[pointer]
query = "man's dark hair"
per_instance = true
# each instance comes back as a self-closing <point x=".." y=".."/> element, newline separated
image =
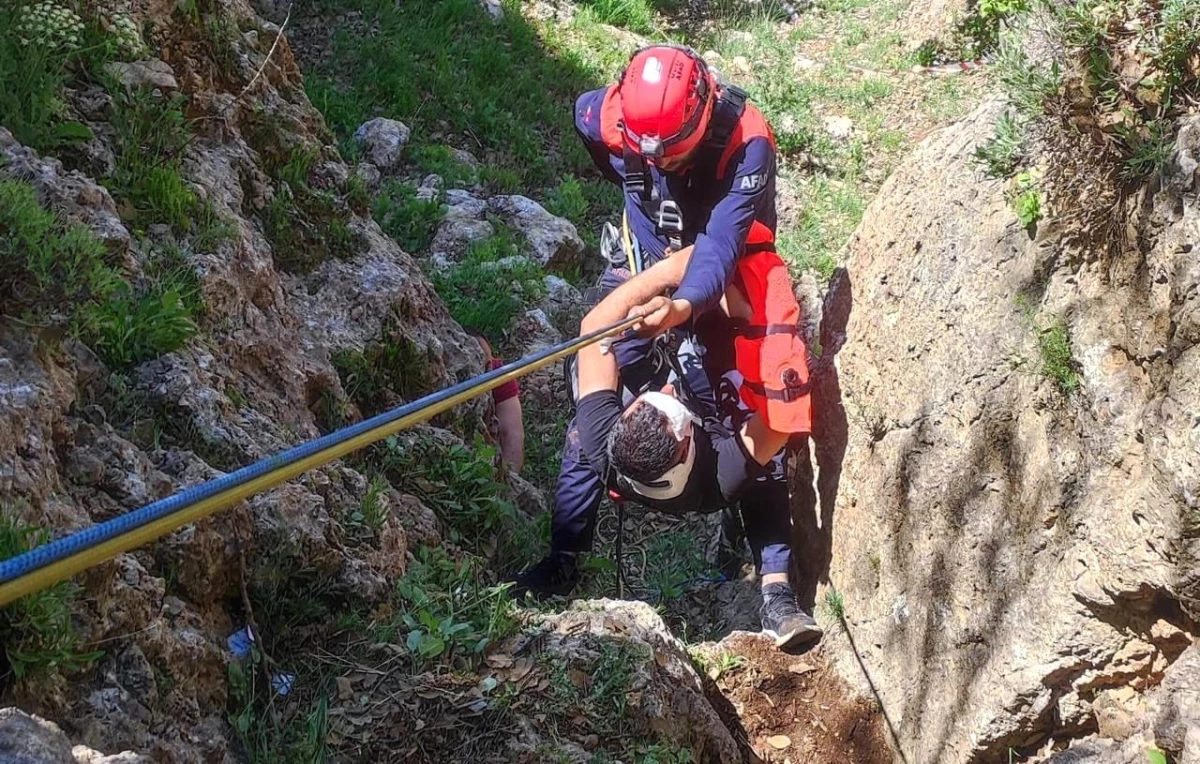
<point x="641" y="446"/>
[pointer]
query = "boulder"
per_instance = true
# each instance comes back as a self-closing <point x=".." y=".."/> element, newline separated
<point x="383" y="140"/>
<point x="553" y="242"/>
<point x="29" y="739"/>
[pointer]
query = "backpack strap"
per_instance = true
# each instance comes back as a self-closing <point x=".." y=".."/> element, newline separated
<point x="727" y="112"/>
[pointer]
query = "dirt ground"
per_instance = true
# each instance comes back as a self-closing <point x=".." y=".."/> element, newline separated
<point x="794" y="708"/>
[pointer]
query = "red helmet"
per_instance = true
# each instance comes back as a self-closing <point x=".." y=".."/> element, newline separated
<point x="666" y="101"/>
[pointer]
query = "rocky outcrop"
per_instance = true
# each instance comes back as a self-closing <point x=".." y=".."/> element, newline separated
<point x="553" y="241"/>
<point x="1166" y="720"/>
<point x="1010" y="547"/>
<point x="79" y="445"/>
<point x="599" y="678"/>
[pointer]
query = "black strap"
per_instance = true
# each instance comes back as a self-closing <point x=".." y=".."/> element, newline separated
<point x="744" y="328"/>
<point x="787" y="394"/>
<point x="637" y="175"/>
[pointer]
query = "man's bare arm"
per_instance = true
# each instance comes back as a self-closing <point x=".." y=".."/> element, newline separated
<point x="598" y="370"/>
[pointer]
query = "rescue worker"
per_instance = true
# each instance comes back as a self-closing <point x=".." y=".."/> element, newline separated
<point x="697" y="165"/>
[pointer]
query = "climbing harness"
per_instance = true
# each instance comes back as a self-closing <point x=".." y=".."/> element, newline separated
<point x="41" y="567"/>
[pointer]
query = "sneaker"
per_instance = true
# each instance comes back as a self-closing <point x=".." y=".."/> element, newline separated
<point x="783" y="620"/>
<point x="556" y="574"/>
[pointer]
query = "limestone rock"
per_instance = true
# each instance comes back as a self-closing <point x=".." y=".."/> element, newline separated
<point x="667" y="696"/>
<point x="151" y="73"/>
<point x="368" y="174"/>
<point x="26" y="739"/>
<point x="553" y="241"/>
<point x="77" y="198"/>
<point x="383" y="140"/>
<point x="29" y="739"/>
<point x="1029" y="534"/>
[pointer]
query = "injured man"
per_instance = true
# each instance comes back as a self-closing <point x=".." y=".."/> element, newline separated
<point x="691" y="446"/>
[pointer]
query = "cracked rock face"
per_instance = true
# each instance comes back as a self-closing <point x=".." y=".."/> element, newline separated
<point x="1008" y="553"/>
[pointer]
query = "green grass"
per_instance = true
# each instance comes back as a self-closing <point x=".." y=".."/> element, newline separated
<point x="673" y="559"/>
<point x="412" y="222"/>
<point x="390" y="370"/>
<point x="150" y="139"/>
<point x="36" y="630"/>
<point x="462" y="485"/>
<point x="448" y="613"/>
<point x="491" y="287"/>
<point x="634" y="15"/>
<point x="834" y="605"/>
<point x="46" y="264"/>
<point x="440" y="160"/>
<point x="448" y="66"/>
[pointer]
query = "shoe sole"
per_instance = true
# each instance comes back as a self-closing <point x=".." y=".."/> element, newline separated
<point x="794" y="637"/>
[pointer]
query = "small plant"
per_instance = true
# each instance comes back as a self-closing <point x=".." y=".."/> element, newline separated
<point x="372" y="512"/>
<point x="412" y="222"/>
<point x="462" y="486"/>
<point x="36" y="630"/>
<point x="270" y="736"/>
<point x="673" y="559"/>
<point x="1027" y="84"/>
<point x="1054" y="344"/>
<point x="567" y="200"/>
<point x="1027" y="199"/>
<point x="1001" y="154"/>
<point x="49" y="26"/>
<point x="1155" y="756"/>
<point x="126" y="38"/>
<point x="449" y="613"/>
<point x="151" y="136"/>
<point x="130" y="327"/>
<point x="716" y="664"/>
<point x="834" y="605"/>
<point x="1149" y="146"/>
<point x="490" y="287"/>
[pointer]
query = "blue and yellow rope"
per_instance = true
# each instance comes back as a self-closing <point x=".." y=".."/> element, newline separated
<point x="44" y="566"/>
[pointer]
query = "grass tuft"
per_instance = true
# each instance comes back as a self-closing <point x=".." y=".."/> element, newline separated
<point x="36" y="630"/>
<point x="412" y="222"/>
<point x="491" y="287"/>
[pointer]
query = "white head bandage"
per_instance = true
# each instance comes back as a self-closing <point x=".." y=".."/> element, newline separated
<point x="673" y="481"/>
<point x="680" y="417"/>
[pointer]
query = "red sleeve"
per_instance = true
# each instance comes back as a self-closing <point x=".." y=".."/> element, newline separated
<point x="506" y="391"/>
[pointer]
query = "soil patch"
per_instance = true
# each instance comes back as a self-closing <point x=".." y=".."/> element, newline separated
<point x="795" y="708"/>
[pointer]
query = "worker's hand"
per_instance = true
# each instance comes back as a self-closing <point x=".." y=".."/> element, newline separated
<point x="659" y="315"/>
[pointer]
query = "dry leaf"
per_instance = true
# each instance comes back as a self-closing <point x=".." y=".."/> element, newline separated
<point x="579" y="678"/>
<point x="779" y="742"/>
<point x="499" y="660"/>
<point x="345" y="688"/>
<point x="801" y="668"/>
<point x="520" y="669"/>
